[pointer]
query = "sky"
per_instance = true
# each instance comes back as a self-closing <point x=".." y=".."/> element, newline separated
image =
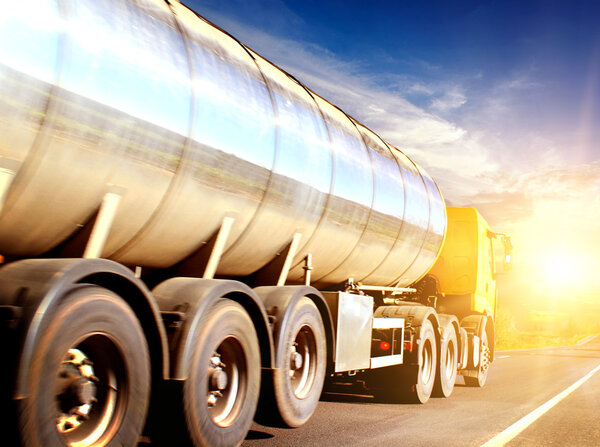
<point x="498" y="100"/>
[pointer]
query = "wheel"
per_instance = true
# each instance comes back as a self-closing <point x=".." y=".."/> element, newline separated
<point x="221" y="392"/>
<point x="484" y="364"/>
<point x="300" y="367"/>
<point x="448" y="362"/>
<point x="90" y="381"/>
<point x="420" y="385"/>
<point x="409" y="383"/>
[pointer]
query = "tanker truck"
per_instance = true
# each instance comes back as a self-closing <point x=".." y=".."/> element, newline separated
<point x="191" y="238"/>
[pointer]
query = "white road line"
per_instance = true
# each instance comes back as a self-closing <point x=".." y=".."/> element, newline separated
<point x="586" y="339"/>
<point x="511" y="432"/>
<point x="503" y="356"/>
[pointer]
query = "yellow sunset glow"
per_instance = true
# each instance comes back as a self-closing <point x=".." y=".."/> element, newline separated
<point x="565" y="273"/>
<point x="562" y="269"/>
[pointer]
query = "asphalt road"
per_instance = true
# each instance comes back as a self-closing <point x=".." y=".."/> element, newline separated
<point x="519" y="382"/>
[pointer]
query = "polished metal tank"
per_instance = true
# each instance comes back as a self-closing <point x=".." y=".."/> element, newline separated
<point x="186" y="125"/>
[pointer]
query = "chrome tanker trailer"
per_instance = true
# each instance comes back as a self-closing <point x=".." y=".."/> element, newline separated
<point x="189" y="232"/>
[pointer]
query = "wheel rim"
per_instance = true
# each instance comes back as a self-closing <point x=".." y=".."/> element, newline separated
<point x="450" y="359"/>
<point x="427" y="364"/>
<point x="303" y="362"/>
<point x="485" y="356"/>
<point x="227" y="377"/>
<point x="90" y="391"/>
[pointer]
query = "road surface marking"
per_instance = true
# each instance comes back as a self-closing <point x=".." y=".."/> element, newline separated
<point x="586" y="339"/>
<point x="511" y="432"/>
<point x="503" y="356"/>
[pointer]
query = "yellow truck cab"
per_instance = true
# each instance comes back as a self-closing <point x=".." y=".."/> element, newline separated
<point x="465" y="273"/>
<point x="466" y="267"/>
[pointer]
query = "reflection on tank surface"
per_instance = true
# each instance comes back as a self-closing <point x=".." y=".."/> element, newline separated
<point x="227" y="134"/>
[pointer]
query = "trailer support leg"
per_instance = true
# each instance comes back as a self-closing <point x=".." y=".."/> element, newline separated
<point x="289" y="258"/>
<point x="104" y="220"/>
<point x="218" y="248"/>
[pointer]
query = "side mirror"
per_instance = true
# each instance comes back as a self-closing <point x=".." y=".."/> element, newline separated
<point x="502" y="245"/>
<point x="508" y="246"/>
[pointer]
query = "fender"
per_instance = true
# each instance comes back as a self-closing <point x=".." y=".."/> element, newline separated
<point x="191" y="298"/>
<point x="279" y="300"/>
<point x="33" y="289"/>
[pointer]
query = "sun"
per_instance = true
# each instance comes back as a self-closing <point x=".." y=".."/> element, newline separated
<point x="562" y="269"/>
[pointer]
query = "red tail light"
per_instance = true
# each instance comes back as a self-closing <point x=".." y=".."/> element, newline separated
<point x="384" y="345"/>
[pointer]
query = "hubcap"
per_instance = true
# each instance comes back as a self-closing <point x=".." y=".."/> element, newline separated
<point x="77" y="390"/>
<point x="295" y="360"/>
<point x="90" y="389"/>
<point x="219" y="379"/>
<point x="303" y="362"/>
<point x="227" y="377"/>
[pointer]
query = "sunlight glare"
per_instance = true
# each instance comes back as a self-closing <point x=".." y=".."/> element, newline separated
<point x="562" y="269"/>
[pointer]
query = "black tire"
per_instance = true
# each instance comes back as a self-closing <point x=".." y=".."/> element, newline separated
<point x="92" y="359"/>
<point x="221" y="392"/>
<point x="447" y="365"/>
<point x="420" y="380"/>
<point x="484" y="364"/>
<point x="300" y="366"/>
<point x="408" y="383"/>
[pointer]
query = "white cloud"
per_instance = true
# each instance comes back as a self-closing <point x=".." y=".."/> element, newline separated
<point x="450" y="100"/>
<point x="557" y="186"/>
<point x="421" y="88"/>
<point x="473" y="144"/>
<point x="474" y="136"/>
<point x="452" y="155"/>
